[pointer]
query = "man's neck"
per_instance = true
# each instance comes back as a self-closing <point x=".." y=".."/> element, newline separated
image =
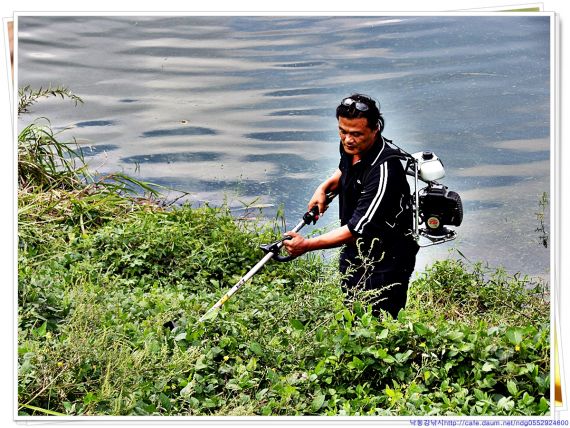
<point x="356" y="159"/>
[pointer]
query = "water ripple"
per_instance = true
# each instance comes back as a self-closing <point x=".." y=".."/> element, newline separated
<point x="173" y="157"/>
<point x="292" y="136"/>
<point x="89" y="123"/>
<point x="322" y="112"/>
<point x="302" y="64"/>
<point x="300" y="91"/>
<point x="190" y="130"/>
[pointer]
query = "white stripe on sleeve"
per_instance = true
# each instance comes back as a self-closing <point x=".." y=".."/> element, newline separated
<point x="382" y="182"/>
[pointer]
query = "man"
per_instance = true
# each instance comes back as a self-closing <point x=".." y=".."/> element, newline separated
<point x="379" y="250"/>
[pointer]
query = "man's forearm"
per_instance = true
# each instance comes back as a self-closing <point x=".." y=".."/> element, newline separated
<point x="332" y="239"/>
<point x="331" y="184"/>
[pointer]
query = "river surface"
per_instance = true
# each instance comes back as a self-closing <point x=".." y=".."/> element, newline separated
<point x="240" y="109"/>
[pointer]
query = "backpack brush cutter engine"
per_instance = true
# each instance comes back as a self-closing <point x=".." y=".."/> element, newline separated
<point x="434" y="206"/>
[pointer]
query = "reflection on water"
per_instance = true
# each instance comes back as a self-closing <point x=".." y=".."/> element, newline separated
<point x="242" y="108"/>
<point x="95" y="123"/>
<point x="190" y="130"/>
<point x="306" y="112"/>
<point x="173" y="157"/>
<point x="292" y="136"/>
<point x="99" y="148"/>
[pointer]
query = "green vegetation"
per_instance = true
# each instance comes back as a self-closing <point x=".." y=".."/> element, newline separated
<point x="28" y="96"/>
<point x="110" y="288"/>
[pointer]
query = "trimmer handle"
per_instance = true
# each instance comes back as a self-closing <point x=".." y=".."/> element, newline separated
<point x="274" y="248"/>
<point x="312" y="215"/>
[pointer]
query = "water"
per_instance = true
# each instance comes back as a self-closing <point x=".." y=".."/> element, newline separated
<point x="242" y="108"/>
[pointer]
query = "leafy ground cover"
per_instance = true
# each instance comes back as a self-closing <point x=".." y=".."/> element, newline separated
<point x="111" y="287"/>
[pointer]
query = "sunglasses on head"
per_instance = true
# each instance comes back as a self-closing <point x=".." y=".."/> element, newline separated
<point x="359" y="105"/>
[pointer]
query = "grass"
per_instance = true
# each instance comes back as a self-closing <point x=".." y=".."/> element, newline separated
<point x="111" y="286"/>
<point x="28" y="96"/>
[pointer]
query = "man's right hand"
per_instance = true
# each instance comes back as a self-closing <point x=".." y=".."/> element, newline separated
<point x="320" y="199"/>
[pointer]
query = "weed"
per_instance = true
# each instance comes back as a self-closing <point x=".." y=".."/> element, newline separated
<point x="540" y="217"/>
<point x="96" y="304"/>
<point x="111" y="285"/>
<point x="27" y="96"/>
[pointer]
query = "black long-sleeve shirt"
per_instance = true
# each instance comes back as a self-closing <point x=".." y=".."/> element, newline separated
<point x="374" y="202"/>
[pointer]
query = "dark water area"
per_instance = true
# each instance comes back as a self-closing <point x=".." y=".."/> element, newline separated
<point x="241" y="109"/>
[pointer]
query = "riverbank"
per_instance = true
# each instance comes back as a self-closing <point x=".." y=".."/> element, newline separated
<point x="111" y="287"/>
<point x="101" y="277"/>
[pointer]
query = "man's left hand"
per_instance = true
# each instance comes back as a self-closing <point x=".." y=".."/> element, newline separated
<point x="296" y="246"/>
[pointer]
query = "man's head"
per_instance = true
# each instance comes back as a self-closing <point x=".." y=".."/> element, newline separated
<point x="361" y="106"/>
<point x="359" y="124"/>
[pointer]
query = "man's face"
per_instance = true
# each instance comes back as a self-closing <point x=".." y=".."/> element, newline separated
<point x="355" y="135"/>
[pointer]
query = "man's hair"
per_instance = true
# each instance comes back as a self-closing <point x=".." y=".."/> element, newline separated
<point x="373" y="116"/>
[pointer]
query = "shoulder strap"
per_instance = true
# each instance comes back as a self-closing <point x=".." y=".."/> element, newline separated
<point x="391" y="152"/>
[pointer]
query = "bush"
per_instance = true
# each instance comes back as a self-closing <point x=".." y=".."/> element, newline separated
<point x="456" y="291"/>
<point x="94" y="311"/>
<point x="111" y="287"/>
